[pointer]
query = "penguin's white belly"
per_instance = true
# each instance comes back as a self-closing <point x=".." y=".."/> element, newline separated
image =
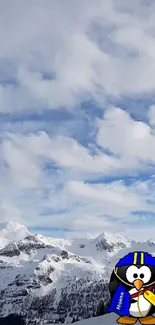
<point x="141" y="307"/>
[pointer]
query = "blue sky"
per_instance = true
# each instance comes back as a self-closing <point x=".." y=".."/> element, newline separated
<point x="77" y="116"/>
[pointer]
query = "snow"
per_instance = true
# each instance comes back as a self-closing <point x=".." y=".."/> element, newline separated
<point x="108" y="319"/>
<point x="113" y="238"/>
<point x="41" y="265"/>
<point x="89" y="247"/>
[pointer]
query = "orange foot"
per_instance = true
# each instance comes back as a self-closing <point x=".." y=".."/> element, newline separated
<point x="127" y="320"/>
<point x="147" y="320"/>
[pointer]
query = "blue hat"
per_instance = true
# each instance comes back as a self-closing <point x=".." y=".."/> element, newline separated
<point x="137" y="258"/>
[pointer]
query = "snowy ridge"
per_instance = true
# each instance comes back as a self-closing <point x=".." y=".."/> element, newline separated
<point x="109" y="243"/>
<point x="61" y="280"/>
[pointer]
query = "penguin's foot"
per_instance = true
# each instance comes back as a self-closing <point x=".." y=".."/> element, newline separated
<point x="147" y="320"/>
<point x="127" y="320"/>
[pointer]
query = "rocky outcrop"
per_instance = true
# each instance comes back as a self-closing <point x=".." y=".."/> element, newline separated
<point x="10" y="250"/>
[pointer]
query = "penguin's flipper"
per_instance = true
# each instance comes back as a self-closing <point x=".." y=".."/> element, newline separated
<point x="126" y="320"/>
<point x="113" y="286"/>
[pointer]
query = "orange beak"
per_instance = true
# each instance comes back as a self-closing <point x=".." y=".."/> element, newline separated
<point x="138" y="284"/>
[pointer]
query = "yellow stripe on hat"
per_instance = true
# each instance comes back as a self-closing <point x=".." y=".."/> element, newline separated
<point x="135" y="258"/>
<point x="142" y="258"/>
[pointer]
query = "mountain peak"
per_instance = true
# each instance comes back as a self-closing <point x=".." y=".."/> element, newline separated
<point x="111" y="242"/>
<point x="112" y="237"/>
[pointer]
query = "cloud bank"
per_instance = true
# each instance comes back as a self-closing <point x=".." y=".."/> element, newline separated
<point x="77" y="116"/>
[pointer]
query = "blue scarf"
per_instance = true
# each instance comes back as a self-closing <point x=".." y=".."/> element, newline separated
<point x="120" y="302"/>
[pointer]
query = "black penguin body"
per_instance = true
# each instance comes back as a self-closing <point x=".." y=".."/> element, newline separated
<point x="119" y="278"/>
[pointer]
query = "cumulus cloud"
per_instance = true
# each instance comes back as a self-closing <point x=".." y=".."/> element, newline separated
<point x="112" y="194"/>
<point x="28" y="153"/>
<point x="54" y="57"/>
<point x="91" y="50"/>
<point x="59" y="195"/>
<point x="133" y="141"/>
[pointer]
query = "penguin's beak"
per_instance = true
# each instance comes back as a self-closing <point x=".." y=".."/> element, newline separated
<point x="138" y="284"/>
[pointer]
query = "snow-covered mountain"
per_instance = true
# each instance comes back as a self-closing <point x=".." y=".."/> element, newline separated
<point x="106" y="244"/>
<point x="56" y="280"/>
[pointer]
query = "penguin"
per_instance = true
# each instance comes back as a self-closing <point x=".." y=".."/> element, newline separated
<point x="132" y="275"/>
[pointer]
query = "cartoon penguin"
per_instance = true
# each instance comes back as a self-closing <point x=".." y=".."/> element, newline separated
<point x="131" y="286"/>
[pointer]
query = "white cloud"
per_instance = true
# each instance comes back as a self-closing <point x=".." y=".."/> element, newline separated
<point x="111" y="194"/>
<point x="133" y="141"/>
<point x="30" y="150"/>
<point x="132" y="144"/>
<point x="28" y="189"/>
<point x="20" y="165"/>
<point x="94" y="50"/>
<point x="115" y="199"/>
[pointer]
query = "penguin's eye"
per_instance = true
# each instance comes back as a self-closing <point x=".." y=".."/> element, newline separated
<point x="145" y="273"/>
<point x="132" y="273"/>
<point x="135" y="275"/>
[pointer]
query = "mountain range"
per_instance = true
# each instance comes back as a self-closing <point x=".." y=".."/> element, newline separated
<point x="48" y="280"/>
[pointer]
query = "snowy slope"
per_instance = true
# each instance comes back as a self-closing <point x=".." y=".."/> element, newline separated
<point x="35" y="274"/>
<point x="39" y="276"/>
<point x="104" y="320"/>
<point x="50" y="279"/>
<point x="105" y="245"/>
